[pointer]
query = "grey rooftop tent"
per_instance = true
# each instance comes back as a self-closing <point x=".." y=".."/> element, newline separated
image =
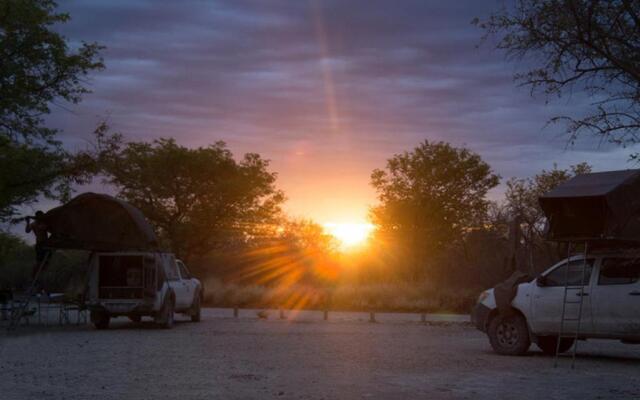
<point x="98" y="222"/>
<point x="599" y="207"/>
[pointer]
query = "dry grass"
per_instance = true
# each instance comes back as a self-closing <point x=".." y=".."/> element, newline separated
<point x="399" y="297"/>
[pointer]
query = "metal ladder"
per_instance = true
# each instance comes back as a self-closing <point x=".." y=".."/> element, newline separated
<point x="571" y="301"/>
<point x="18" y="314"/>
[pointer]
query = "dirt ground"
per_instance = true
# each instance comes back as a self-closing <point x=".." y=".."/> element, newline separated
<point x="302" y="358"/>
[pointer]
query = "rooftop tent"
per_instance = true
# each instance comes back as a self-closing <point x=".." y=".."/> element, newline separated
<point x="99" y="222"/>
<point x="603" y="206"/>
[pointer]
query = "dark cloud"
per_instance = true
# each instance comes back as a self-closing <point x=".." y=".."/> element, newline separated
<point x="316" y="83"/>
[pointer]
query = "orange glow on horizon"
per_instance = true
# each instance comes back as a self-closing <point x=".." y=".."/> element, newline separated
<point x="350" y="234"/>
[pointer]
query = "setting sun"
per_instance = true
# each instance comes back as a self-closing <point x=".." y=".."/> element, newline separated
<point x="349" y="234"/>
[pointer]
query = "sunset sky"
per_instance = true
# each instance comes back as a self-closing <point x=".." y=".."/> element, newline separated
<point x="327" y="90"/>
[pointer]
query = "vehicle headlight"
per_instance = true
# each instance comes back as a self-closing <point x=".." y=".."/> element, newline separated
<point x="483" y="296"/>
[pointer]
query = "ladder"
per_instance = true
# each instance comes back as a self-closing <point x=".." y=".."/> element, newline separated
<point x="18" y="314"/>
<point x="578" y="290"/>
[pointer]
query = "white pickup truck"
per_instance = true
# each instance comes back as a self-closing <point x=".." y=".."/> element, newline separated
<point x="137" y="284"/>
<point x="610" y="307"/>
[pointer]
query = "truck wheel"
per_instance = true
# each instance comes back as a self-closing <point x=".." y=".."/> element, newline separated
<point x="509" y="335"/>
<point x="165" y="315"/>
<point x="135" y="318"/>
<point x="548" y="344"/>
<point x="100" y="319"/>
<point x="196" y="309"/>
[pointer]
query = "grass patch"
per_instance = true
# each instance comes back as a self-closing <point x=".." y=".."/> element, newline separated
<point x="390" y="297"/>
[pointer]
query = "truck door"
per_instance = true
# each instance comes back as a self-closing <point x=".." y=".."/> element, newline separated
<point x="616" y="298"/>
<point x="187" y="282"/>
<point x="179" y="288"/>
<point x="547" y="302"/>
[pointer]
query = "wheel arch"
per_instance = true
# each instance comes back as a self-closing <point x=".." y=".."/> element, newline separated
<point x="198" y="292"/>
<point x="494" y="313"/>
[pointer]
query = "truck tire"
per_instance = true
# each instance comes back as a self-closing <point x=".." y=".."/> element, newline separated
<point x="164" y="318"/>
<point x="548" y="344"/>
<point x="100" y="319"/>
<point x="509" y="335"/>
<point x="196" y="308"/>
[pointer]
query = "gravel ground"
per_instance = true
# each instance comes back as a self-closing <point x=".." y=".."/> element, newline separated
<point x="300" y="358"/>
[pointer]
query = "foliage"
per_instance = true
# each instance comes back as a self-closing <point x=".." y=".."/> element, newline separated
<point x="65" y="272"/>
<point x="523" y="210"/>
<point x="16" y="259"/>
<point x="380" y="297"/>
<point x="308" y="236"/>
<point x="590" y="45"/>
<point x="199" y="199"/>
<point x="521" y="197"/>
<point x="37" y="69"/>
<point x="28" y="171"/>
<point x="430" y="197"/>
<point x="298" y="251"/>
<point x="479" y="261"/>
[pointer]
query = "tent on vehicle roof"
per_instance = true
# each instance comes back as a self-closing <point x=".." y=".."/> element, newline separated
<point x="597" y="207"/>
<point x="99" y="222"/>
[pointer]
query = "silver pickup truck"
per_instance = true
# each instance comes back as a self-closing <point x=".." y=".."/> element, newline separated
<point x="610" y="306"/>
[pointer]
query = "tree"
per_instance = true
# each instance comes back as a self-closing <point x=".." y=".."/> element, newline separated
<point x="299" y="251"/>
<point x="528" y="219"/>
<point x="37" y="68"/>
<point x="430" y="197"/>
<point x="308" y="236"/>
<point x="199" y="199"/>
<point x="579" y="45"/>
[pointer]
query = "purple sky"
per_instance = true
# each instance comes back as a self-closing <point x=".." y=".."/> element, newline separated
<point x="327" y="90"/>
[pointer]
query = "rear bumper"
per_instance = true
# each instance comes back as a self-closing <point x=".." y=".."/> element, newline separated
<point x="480" y="316"/>
<point x="116" y="308"/>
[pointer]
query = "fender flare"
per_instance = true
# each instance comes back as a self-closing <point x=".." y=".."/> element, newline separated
<point x="198" y="292"/>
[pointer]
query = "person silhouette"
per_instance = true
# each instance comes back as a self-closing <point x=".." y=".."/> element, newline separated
<point x="41" y="232"/>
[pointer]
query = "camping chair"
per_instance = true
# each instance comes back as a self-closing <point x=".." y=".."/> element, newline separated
<point x="56" y="301"/>
<point x="17" y="312"/>
<point x="72" y="304"/>
<point x="48" y="304"/>
<point x="58" y="305"/>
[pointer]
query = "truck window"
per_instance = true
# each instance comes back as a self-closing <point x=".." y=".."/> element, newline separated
<point x="120" y="276"/>
<point x="171" y="269"/>
<point x="558" y="276"/>
<point x="183" y="271"/>
<point x="619" y="271"/>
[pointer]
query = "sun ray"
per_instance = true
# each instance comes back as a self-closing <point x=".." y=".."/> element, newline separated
<point x="325" y="65"/>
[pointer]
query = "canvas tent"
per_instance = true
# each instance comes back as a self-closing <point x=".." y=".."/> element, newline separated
<point x="599" y="207"/>
<point x="98" y="222"/>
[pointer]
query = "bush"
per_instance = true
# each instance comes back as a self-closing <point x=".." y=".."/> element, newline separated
<point x="393" y="297"/>
<point x="65" y="273"/>
<point x="16" y="260"/>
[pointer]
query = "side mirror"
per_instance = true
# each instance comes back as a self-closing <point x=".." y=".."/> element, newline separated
<point x="541" y="281"/>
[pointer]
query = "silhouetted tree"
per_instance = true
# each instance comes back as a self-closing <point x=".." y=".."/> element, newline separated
<point x="299" y="251"/>
<point x="199" y="199"/>
<point x="308" y="236"/>
<point x="521" y="204"/>
<point x="37" y="68"/>
<point x="573" y="45"/>
<point x="429" y="198"/>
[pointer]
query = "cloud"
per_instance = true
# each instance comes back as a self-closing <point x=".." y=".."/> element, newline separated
<point x="327" y="89"/>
